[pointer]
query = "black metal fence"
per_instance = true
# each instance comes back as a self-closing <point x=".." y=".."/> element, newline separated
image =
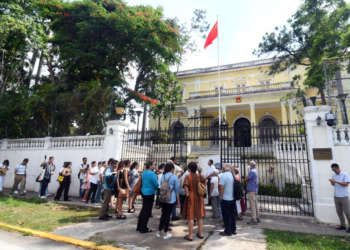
<point x="280" y="152"/>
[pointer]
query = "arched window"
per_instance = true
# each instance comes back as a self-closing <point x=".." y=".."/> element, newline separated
<point x="242" y="133"/>
<point x="268" y="131"/>
<point x="214" y="134"/>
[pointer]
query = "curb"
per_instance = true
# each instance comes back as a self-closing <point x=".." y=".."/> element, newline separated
<point x="60" y="238"/>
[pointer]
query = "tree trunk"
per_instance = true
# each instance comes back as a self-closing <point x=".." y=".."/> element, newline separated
<point x="38" y="73"/>
<point x="159" y="122"/>
<point x="31" y="70"/>
<point x="50" y="68"/>
<point x="143" y="124"/>
<point x="323" y="97"/>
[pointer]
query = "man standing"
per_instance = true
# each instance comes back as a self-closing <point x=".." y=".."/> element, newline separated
<point x="95" y="171"/>
<point x="20" y="177"/>
<point x="50" y="169"/>
<point x="109" y="183"/>
<point x="340" y="181"/>
<point x="209" y="174"/>
<point x="82" y="176"/>
<point x="252" y="189"/>
<point x="228" y="203"/>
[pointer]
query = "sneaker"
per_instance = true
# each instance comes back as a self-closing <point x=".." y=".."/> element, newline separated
<point x="258" y="220"/>
<point x="16" y="192"/>
<point x="24" y="191"/>
<point x="252" y="222"/>
<point x="167" y="236"/>
<point x="39" y="195"/>
<point x="83" y="200"/>
<point x="43" y="197"/>
<point x="158" y="234"/>
<point x="348" y="231"/>
<point x="341" y="228"/>
<point x="47" y="195"/>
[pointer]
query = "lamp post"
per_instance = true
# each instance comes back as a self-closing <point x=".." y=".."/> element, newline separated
<point x="342" y="98"/>
<point x="312" y="93"/>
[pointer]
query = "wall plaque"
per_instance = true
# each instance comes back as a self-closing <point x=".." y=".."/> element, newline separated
<point x="322" y="154"/>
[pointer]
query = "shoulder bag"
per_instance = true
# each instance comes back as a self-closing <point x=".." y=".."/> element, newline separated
<point x="42" y="174"/>
<point x="202" y="190"/>
<point x="122" y="193"/>
<point x="138" y="186"/>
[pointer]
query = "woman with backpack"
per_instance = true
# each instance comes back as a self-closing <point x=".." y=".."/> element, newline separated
<point x="148" y="189"/>
<point x="194" y="203"/>
<point x="169" y="189"/>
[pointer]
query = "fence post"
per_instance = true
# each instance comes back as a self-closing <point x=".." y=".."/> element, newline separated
<point x="47" y="143"/>
<point x="320" y="136"/>
<point x="4" y="144"/>
<point x="114" y="139"/>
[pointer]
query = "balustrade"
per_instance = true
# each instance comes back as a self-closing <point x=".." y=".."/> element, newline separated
<point x="341" y="135"/>
<point x="26" y="143"/>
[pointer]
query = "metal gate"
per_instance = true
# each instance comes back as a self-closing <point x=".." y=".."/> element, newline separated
<point x="280" y="152"/>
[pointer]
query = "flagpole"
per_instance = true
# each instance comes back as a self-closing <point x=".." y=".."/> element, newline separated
<point x="219" y="88"/>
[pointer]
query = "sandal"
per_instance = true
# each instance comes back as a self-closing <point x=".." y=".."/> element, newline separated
<point x="186" y="238"/>
<point x="121" y="217"/>
<point x="201" y="237"/>
<point x="131" y="211"/>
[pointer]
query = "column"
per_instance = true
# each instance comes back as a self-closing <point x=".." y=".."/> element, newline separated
<point x="291" y="117"/>
<point x="114" y="139"/>
<point x="223" y="109"/>
<point x="284" y="113"/>
<point x="252" y="114"/>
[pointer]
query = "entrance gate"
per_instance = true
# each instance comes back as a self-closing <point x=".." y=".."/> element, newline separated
<point x="280" y="152"/>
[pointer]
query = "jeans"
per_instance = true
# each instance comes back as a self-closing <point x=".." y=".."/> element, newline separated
<point x="2" y="181"/>
<point x="342" y="207"/>
<point x="81" y="191"/>
<point x="93" y="189"/>
<point x="105" y="204"/>
<point x="98" y="194"/>
<point x="182" y="201"/>
<point x="24" y="186"/>
<point x="219" y="210"/>
<point x="145" y="213"/>
<point x="158" y="203"/>
<point x="44" y="184"/>
<point x="46" y="191"/>
<point x="229" y="212"/>
<point x="208" y="190"/>
<point x="173" y="213"/>
<point x="214" y="206"/>
<point x="165" y="217"/>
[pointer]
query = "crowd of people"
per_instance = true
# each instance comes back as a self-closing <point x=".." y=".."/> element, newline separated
<point x="169" y="186"/>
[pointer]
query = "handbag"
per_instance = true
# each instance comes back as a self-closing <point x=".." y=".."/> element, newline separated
<point x="122" y="193"/>
<point x="138" y="186"/>
<point x="41" y="175"/>
<point x="60" y="178"/>
<point x="202" y="190"/>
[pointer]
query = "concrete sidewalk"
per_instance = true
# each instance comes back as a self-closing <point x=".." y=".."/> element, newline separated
<point x="123" y="232"/>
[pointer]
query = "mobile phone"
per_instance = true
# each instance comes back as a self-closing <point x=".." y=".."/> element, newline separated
<point x="45" y="157"/>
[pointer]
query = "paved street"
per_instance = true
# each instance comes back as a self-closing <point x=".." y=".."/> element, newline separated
<point x="16" y="241"/>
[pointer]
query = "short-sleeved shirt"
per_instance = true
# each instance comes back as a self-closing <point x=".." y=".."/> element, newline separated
<point x="210" y="170"/>
<point x="227" y="181"/>
<point x="82" y="166"/>
<point x="21" y="169"/>
<point x="149" y="183"/>
<point x="339" y="190"/>
<point x="215" y="181"/>
<point x="102" y="170"/>
<point x="174" y="185"/>
<point x="49" y="168"/>
<point x="253" y="181"/>
<point x="94" y="178"/>
<point x="177" y="170"/>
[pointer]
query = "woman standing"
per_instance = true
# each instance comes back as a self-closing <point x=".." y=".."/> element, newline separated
<point x="3" y="169"/>
<point x="148" y="190"/>
<point x="133" y="179"/>
<point x="65" y="184"/>
<point x="167" y="207"/>
<point x="238" y="203"/>
<point x="194" y="203"/>
<point x="160" y="168"/>
<point x="86" y="184"/>
<point x="122" y="183"/>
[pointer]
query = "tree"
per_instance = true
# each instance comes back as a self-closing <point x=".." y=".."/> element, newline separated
<point x="319" y="29"/>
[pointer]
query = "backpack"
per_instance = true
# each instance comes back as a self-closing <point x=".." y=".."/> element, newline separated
<point x="237" y="190"/>
<point x="164" y="190"/>
<point x="110" y="180"/>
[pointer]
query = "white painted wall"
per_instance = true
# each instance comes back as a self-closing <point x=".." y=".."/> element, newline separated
<point x="203" y="161"/>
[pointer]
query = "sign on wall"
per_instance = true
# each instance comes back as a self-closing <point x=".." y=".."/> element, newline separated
<point x="322" y="154"/>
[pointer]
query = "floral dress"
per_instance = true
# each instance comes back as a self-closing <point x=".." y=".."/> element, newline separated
<point x="133" y="179"/>
<point x="194" y="203"/>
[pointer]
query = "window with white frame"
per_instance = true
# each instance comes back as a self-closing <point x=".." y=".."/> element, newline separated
<point x="240" y="85"/>
<point x="216" y="88"/>
<point x="265" y="82"/>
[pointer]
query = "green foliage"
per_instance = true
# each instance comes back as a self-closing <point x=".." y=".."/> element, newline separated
<point x="258" y="156"/>
<point x="317" y="30"/>
<point x="269" y="190"/>
<point x="292" y="190"/>
<point x="277" y="239"/>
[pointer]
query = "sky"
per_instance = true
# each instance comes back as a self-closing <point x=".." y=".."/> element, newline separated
<point x="242" y="25"/>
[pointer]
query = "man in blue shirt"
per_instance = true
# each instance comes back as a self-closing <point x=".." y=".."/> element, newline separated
<point x="228" y="203"/>
<point x="340" y="181"/>
<point x="108" y="184"/>
<point x="252" y="188"/>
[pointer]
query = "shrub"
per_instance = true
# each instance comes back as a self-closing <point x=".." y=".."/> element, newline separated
<point x="292" y="190"/>
<point x="269" y="190"/>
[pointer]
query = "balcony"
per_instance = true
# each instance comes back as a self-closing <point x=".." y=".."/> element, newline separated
<point x="242" y="90"/>
<point x="181" y="107"/>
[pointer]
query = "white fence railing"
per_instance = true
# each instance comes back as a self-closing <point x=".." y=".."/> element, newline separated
<point x="341" y="135"/>
<point x="26" y="143"/>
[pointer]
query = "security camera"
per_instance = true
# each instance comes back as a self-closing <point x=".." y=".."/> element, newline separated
<point x="331" y="120"/>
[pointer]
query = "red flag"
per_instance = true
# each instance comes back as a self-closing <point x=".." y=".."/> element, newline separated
<point x="212" y="35"/>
